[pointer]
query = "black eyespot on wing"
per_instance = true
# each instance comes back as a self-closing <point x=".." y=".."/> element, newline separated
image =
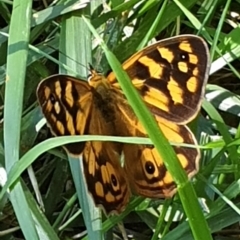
<point x="113" y="180"/>
<point x="149" y="167"/>
<point x="52" y="98"/>
<point x="184" y="57"/>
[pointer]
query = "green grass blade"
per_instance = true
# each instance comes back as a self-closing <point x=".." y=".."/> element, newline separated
<point x="77" y="54"/>
<point x="17" y="49"/>
<point x="185" y="188"/>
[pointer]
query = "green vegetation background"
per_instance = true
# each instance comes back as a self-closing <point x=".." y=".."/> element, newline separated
<point x="44" y="203"/>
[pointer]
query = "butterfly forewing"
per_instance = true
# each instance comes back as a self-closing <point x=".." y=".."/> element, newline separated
<point x="66" y="104"/>
<point x="170" y="75"/>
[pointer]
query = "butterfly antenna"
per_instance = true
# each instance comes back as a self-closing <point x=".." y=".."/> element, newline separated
<point x="91" y="68"/>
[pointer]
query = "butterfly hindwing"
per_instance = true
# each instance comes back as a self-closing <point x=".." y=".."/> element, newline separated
<point x="147" y="174"/>
<point x="105" y="178"/>
<point x="149" y="177"/>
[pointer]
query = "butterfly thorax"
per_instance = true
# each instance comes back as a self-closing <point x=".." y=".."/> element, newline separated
<point x="99" y="83"/>
<point x="102" y="96"/>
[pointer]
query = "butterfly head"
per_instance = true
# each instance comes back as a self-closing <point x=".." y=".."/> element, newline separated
<point x="98" y="82"/>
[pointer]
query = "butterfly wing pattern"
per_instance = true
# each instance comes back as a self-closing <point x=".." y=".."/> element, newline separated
<point x="170" y="75"/>
<point x="71" y="107"/>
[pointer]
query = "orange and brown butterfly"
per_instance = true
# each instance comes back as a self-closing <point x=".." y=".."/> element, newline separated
<point x="170" y="75"/>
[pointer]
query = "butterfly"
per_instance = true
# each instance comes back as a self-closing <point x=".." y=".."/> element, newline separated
<point x="170" y="75"/>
